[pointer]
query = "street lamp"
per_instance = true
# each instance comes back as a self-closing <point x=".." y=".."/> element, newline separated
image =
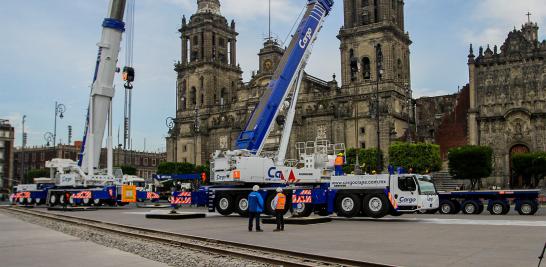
<point x="23" y="143"/>
<point x="59" y="111"/>
<point x="379" y="72"/>
<point x="170" y="123"/>
<point x="48" y="137"/>
<point x="409" y="104"/>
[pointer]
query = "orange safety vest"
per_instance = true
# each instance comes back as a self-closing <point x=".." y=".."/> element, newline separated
<point x="339" y="161"/>
<point x="281" y="201"/>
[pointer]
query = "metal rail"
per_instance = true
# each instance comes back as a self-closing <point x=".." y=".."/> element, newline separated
<point x="222" y="247"/>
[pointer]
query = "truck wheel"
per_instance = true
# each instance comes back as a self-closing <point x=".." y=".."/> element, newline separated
<point x="348" y="205"/>
<point x="97" y="202"/>
<point x="376" y="205"/>
<point x="527" y="207"/>
<point x="22" y="201"/>
<point x="224" y="204"/>
<point x="498" y="207"/>
<point x="86" y="201"/>
<point x="53" y="200"/>
<point x="242" y="205"/>
<point x="446" y="207"/>
<point x="302" y="210"/>
<point x="470" y="207"/>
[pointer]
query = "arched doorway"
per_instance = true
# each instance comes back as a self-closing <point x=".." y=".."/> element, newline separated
<point x="516" y="181"/>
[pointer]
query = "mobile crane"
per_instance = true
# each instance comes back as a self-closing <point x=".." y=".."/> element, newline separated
<point x="82" y="182"/>
<point x="308" y="181"/>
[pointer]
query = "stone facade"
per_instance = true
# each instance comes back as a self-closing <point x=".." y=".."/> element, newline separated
<point x="213" y="116"/>
<point x="430" y="113"/>
<point x="508" y="99"/>
<point x="35" y="157"/>
<point x="7" y="139"/>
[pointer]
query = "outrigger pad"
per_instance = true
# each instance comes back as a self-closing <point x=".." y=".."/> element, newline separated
<point x="71" y="208"/>
<point x="175" y="216"/>
<point x="301" y="221"/>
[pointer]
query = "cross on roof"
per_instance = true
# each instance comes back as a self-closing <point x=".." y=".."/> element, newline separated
<point x="528" y="16"/>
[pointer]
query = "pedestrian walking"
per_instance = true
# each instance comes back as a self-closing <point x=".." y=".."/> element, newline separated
<point x="255" y="208"/>
<point x="279" y="202"/>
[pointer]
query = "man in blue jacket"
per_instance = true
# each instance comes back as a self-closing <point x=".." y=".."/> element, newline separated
<point x="255" y="207"/>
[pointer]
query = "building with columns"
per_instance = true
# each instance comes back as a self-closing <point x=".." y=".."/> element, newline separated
<point x="213" y="103"/>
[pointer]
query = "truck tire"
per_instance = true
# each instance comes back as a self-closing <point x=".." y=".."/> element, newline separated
<point x="471" y="207"/>
<point x="498" y="207"/>
<point x="527" y="207"/>
<point x="446" y="207"/>
<point x="53" y="200"/>
<point x="302" y="210"/>
<point x="376" y="205"/>
<point x="86" y="202"/>
<point x="348" y="205"/>
<point x="225" y="204"/>
<point x="96" y="201"/>
<point x="242" y="205"/>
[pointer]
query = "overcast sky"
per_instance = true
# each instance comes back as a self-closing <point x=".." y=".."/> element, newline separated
<point x="49" y="47"/>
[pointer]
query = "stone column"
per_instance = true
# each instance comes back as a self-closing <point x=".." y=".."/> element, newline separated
<point x="473" y="111"/>
<point x="184" y="50"/>
<point x="233" y="52"/>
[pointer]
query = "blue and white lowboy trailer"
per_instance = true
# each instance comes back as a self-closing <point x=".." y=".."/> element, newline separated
<point x="498" y="201"/>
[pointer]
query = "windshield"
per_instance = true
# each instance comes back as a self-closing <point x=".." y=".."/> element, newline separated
<point x="426" y="186"/>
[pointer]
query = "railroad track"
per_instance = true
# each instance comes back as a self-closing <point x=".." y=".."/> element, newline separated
<point x="234" y="249"/>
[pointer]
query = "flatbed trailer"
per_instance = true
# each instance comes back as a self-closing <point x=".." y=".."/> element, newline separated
<point x="498" y="201"/>
<point x="97" y="196"/>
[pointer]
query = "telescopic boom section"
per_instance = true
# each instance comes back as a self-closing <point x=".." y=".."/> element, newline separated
<point x="293" y="60"/>
<point x="102" y="92"/>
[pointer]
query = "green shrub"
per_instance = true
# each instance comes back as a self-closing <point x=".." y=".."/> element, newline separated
<point x="470" y="162"/>
<point x="420" y="157"/>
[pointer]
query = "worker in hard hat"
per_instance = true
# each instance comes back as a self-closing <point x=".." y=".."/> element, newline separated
<point x="255" y="208"/>
<point x="279" y="202"/>
<point x="338" y="164"/>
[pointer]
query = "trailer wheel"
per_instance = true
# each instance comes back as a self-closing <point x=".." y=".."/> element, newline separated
<point x="471" y="207"/>
<point x="224" y="204"/>
<point x="348" y="205"/>
<point x="242" y="205"/>
<point x="302" y="210"/>
<point x="376" y="205"/>
<point x="53" y="200"/>
<point x="527" y="207"/>
<point x="446" y="207"/>
<point x="86" y="201"/>
<point x="62" y="199"/>
<point x="498" y="207"/>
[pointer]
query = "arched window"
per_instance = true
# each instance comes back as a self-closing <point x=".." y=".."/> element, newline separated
<point x="222" y="96"/>
<point x="193" y="95"/>
<point x="376" y="11"/>
<point x="183" y="95"/>
<point x="353" y="64"/>
<point x="366" y="68"/>
<point x="399" y="67"/>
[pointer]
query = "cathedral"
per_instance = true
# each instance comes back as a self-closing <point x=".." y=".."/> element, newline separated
<point x="213" y="102"/>
<point x="508" y="100"/>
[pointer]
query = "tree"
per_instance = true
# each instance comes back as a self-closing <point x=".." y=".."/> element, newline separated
<point x="128" y="170"/>
<point x="470" y="162"/>
<point x="35" y="173"/>
<point x="420" y="157"/>
<point x="175" y="168"/>
<point x="530" y="166"/>
<point x="367" y="160"/>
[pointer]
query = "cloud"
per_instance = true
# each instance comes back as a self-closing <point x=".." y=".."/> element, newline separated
<point x="495" y="18"/>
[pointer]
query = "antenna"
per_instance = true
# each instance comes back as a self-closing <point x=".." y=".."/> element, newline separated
<point x="269" y="20"/>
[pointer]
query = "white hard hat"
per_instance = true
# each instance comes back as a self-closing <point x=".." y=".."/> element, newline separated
<point x="255" y="188"/>
<point x="279" y="189"/>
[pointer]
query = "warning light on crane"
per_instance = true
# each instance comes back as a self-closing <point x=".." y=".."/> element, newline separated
<point x="128" y="74"/>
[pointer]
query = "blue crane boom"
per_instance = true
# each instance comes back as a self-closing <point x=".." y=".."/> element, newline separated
<point x="293" y="61"/>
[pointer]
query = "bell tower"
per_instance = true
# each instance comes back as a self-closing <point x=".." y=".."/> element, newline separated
<point x="369" y="24"/>
<point x="207" y="78"/>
